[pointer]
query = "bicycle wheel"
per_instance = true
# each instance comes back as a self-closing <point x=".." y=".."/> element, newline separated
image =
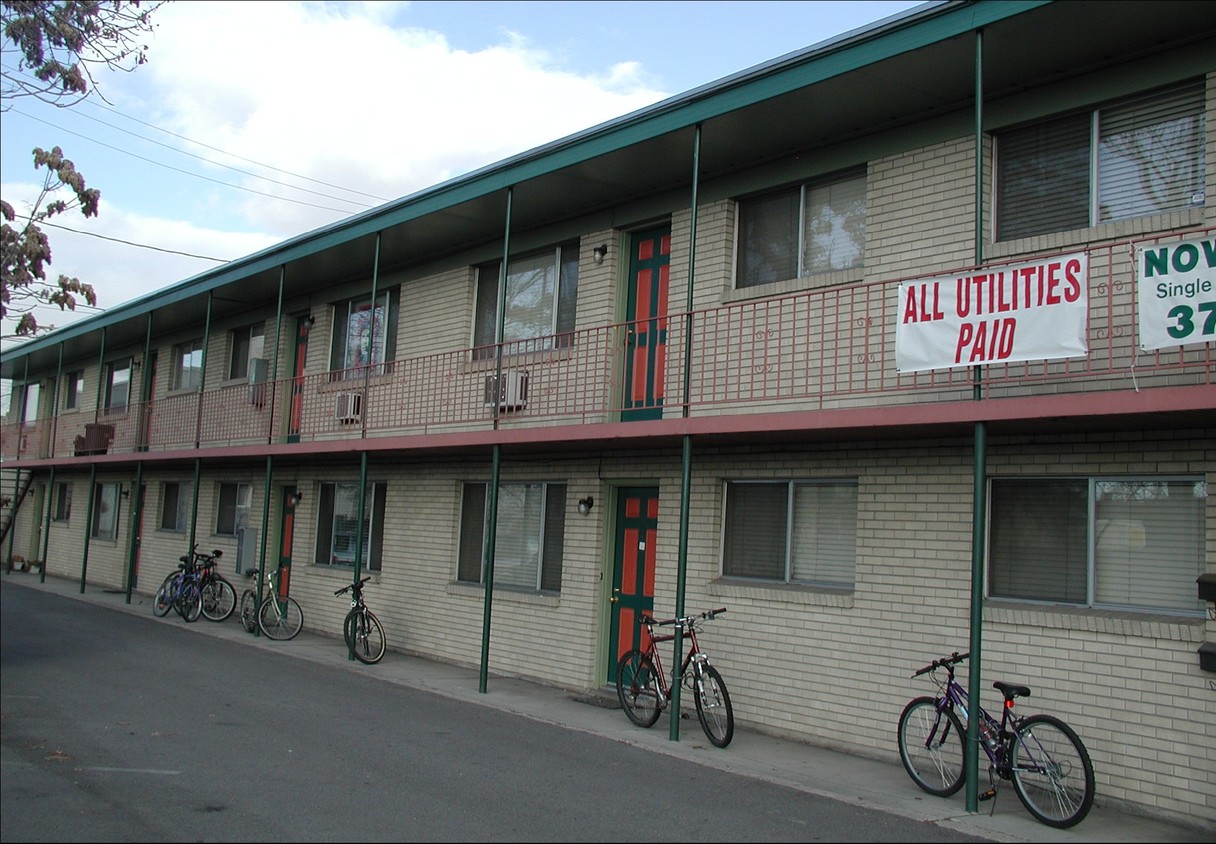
<point x="637" y="686"/>
<point x="931" y="746"/>
<point x="163" y="602"/>
<point x="249" y="615"/>
<point x="1051" y="771"/>
<point x="364" y="636"/>
<point x="219" y="599"/>
<point x="189" y="603"/>
<point x="713" y="707"/>
<point x="280" y="618"/>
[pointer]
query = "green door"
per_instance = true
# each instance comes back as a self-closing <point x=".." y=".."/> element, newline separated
<point x="646" y="324"/>
<point x="636" y="530"/>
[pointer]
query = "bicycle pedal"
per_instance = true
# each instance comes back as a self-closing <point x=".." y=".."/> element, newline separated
<point x="987" y="795"/>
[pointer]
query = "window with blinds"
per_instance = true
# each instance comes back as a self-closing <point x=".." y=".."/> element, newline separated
<point x="814" y="228"/>
<point x="792" y="532"/>
<point x="529" y="535"/>
<point x="1123" y="543"/>
<point x="1129" y="159"/>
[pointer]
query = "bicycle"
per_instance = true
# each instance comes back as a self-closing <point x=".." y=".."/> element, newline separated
<point x="1044" y="758"/>
<point x="361" y="629"/>
<point x="279" y="617"/>
<point x="217" y="595"/>
<point x="180" y="591"/>
<point x="645" y="692"/>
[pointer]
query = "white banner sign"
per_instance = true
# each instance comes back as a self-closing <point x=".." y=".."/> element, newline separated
<point x="1177" y="290"/>
<point x="1032" y="311"/>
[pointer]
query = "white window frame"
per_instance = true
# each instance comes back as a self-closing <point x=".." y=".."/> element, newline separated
<point x="248" y="345"/>
<point x="331" y="527"/>
<point x="529" y="543"/>
<point x="105" y="512"/>
<point x="182" y="495"/>
<point x="825" y="225"/>
<point x="812" y="533"/>
<point x="552" y="271"/>
<point x="1102" y="542"/>
<point x="233" y="503"/>
<point x="187" y="366"/>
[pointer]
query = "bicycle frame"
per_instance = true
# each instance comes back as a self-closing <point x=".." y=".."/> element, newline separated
<point x="688" y="630"/>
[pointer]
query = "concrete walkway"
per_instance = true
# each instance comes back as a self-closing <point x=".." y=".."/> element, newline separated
<point x="853" y="779"/>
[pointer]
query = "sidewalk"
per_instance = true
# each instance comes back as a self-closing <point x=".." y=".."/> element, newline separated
<point x="852" y="779"/>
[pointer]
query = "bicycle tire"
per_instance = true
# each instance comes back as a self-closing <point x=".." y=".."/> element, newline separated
<point x="163" y="601"/>
<point x="713" y="707"/>
<point x="1051" y="771"/>
<point x="931" y="747"/>
<point x="280" y="626"/>
<point x="249" y="616"/>
<point x="364" y="636"/>
<point x="219" y="599"/>
<point x="637" y="687"/>
<point x="189" y="603"/>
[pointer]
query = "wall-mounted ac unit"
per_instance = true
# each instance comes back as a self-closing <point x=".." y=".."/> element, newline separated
<point x="348" y="407"/>
<point x="511" y="394"/>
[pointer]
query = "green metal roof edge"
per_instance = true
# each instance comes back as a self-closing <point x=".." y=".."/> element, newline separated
<point x="909" y="30"/>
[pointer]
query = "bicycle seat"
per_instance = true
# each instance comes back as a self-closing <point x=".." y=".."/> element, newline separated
<point x="1011" y="690"/>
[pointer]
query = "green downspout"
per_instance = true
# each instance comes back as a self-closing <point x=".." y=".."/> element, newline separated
<point x="88" y="527"/>
<point x="257" y="631"/>
<point x="137" y="506"/>
<point x="12" y="527"/>
<point x="979" y="493"/>
<point x="202" y="383"/>
<point x="686" y="457"/>
<point x="198" y="472"/>
<point x="496" y="463"/>
<point x="274" y="364"/>
<point x="50" y="495"/>
<point x="362" y="511"/>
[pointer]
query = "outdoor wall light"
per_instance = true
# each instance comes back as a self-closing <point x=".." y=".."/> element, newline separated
<point x="585" y="505"/>
<point x="295" y="498"/>
<point x="598" y="253"/>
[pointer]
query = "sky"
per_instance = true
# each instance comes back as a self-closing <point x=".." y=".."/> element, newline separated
<point x="253" y="122"/>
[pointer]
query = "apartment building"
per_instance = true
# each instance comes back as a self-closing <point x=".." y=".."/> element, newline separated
<point x="899" y="345"/>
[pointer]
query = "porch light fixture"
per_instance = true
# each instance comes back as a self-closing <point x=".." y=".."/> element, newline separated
<point x="295" y="498"/>
<point x="585" y="505"/>
<point x="598" y="253"/>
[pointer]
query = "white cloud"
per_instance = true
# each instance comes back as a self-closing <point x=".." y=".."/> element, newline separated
<point x="334" y="93"/>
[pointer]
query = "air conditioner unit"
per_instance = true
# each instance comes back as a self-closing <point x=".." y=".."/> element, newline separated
<point x="348" y="407"/>
<point x="511" y="394"/>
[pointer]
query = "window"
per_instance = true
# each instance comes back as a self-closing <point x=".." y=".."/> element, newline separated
<point x="187" y="366"/>
<point x="1148" y="158"/>
<point x="247" y="346"/>
<point x="30" y="397"/>
<point x="540" y="302"/>
<point x="814" y="228"/>
<point x="1127" y="543"/>
<point x="338" y="524"/>
<point x="118" y="386"/>
<point x="233" y="510"/>
<point x="73" y="390"/>
<point x="792" y="532"/>
<point x="63" y="502"/>
<point x="528" y="544"/>
<point x="175" y="503"/>
<point x="354" y="343"/>
<point x="105" y="512"/>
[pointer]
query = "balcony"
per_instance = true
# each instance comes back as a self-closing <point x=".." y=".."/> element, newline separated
<point x="830" y="349"/>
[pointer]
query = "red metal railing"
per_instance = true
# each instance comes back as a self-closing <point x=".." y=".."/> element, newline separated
<point x="821" y="349"/>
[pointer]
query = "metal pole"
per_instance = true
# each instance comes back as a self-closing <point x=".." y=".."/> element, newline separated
<point x="202" y="380"/>
<point x="978" y="526"/>
<point x="686" y="461"/>
<point x="495" y="470"/>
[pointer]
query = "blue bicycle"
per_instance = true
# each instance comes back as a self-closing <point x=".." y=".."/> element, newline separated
<point x="182" y="591"/>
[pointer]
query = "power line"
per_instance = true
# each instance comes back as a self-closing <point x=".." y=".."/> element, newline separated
<point x="132" y="243"/>
<point x="223" y="152"/>
<point x="196" y="175"/>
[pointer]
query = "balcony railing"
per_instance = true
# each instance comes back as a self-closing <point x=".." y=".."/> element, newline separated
<point x="815" y="350"/>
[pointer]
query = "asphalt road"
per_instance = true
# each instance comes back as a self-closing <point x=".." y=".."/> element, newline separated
<point x="120" y="728"/>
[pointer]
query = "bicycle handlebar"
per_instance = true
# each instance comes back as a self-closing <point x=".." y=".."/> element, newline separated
<point x="683" y="620"/>
<point x="351" y="586"/>
<point x="946" y="662"/>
